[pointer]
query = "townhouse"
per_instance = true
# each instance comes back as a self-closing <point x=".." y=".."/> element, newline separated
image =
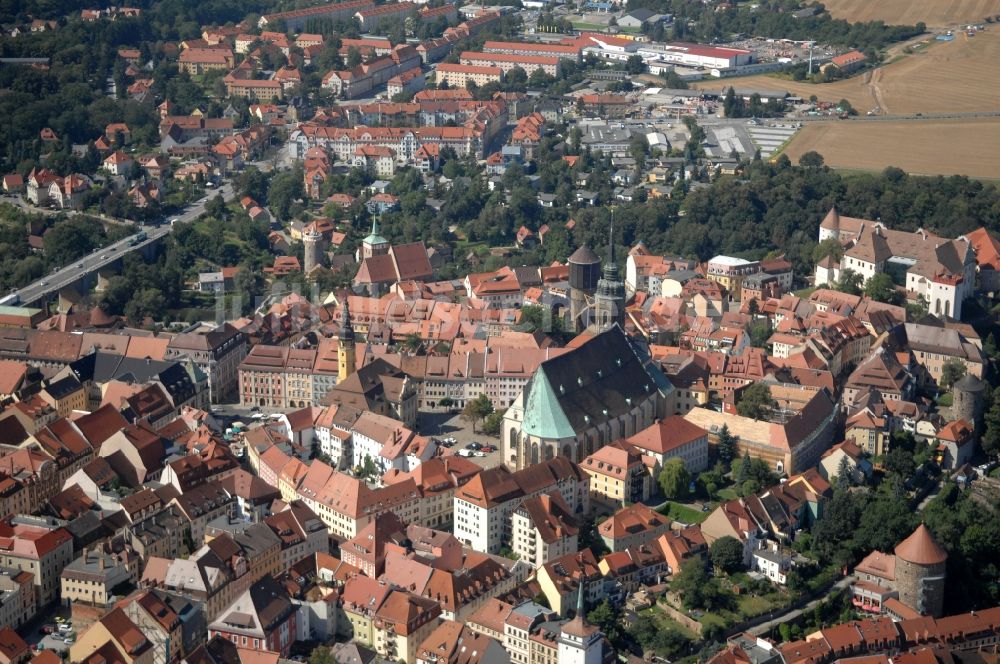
<point x="542" y="528"/>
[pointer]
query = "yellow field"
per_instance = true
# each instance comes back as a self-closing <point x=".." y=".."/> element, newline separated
<point x="955" y="76"/>
<point x="927" y="147"/>
<point x="910" y="12"/>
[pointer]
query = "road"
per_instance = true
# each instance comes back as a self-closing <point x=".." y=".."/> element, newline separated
<point x="765" y="627"/>
<point x="43" y="288"/>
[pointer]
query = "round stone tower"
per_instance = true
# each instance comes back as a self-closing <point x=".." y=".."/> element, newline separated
<point x="920" y="572"/>
<point x="313" y="242"/>
<point x="969" y="400"/>
<point x="584" y="272"/>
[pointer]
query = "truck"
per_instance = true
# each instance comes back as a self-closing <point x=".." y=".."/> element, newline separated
<point x="137" y="238"/>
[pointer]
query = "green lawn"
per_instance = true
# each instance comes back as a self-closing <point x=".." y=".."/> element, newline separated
<point x="805" y="292"/>
<point x="667" y="622"/>
<point x="728" y="494"/>
<point x="580" y="25"/>
<point x="679" y="512"/>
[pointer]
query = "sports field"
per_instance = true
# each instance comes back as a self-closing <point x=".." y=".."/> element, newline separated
<point x="943" y="77"/>
<point x="927" y="147"/>
<point x="934" y="13"/>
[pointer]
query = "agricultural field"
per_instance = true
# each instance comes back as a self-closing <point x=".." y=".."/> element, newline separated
<point x="935" y="13"/>
<point x="929" y="147"/>
<point x="940" y="77"/>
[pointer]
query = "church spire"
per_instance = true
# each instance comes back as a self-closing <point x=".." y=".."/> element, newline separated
<point x="611" y="239"/>
<point x="346" y="328"/>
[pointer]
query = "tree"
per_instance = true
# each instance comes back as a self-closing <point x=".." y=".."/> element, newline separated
<point x="727" y="446"/>
<point x="727" y="554"/>
<point x="284" y="190"/>
<point x="322" y="655"/>
<point x="899" y="462"/>
<point x="216" y="207"/>
<point x="756" y="402"/>
<point x="605" y="617"/>
<point x="635" y="65"/>
<point x="849" y="282"/>
<point x="991" y="437"/>
<point x="412" y="342"/>
<point x="881" y="288"/>
<point x="353" y="57"/>
<point x="674" y="479"/>
<point x="477" y="409"/>
<point x="811" y="159"/>
<point x="493" y="423"/>
<point x="844" y="475"/>
<point x="951" y="371"/>
<point x="253" y="183"/>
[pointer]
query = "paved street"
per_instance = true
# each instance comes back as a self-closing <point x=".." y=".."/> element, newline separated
<point x="70" y="274"/>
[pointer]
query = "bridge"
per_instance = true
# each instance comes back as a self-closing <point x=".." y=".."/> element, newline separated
<point x="83" y="273"/>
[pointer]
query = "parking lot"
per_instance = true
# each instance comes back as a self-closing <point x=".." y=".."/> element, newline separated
<point x="33" y="634"/>
<point x="445" y="425"/>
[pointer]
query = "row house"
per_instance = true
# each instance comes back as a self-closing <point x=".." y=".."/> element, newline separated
<point x="282" y="377"/>
<point x="437" y="480"/>
<point x="388" y="444"/>
<point x="198" y="61"/>
<point x="508" y="62"/>
<point x="346" y="504"/>
<point x="296" y="19"/>
<point x="360" y="80"/>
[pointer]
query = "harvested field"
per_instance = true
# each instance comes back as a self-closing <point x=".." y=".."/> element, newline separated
<point x="957" y="76"/>
<point x="910" y="12"/>
<point x="927" y="147"/>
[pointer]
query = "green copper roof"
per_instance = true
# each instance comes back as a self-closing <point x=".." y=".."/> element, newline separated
<point x="543" y="415"/>
<point x="374" y="237"/>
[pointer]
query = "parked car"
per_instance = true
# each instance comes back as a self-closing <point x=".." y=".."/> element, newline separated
<point x="48" y="629"/>
<point x="479" y="454"/>
<point x="69" y="639"/>
<point x="489" y="449"/>
<point x="474" y="446"/>
<point x="65" y="628"/>
<point x="465" y="453"/>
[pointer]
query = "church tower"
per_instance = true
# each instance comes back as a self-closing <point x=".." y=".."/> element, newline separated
<point x="374" y="244"/>
<point x="345" y="349"/>
<point x="609" y="300"/>
<point x="584" y="271"/>
<point x="579" y="641"/>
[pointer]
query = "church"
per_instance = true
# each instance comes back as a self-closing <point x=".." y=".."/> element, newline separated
<point x="578" y="402"/>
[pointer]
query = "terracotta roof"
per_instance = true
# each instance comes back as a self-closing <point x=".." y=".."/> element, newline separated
<point x="920" y="548"/>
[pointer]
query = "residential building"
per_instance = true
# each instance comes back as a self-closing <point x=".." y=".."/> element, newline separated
<point x="484" y="505"/>
<point x="38" y="546"/>
<point x="673" y="437"/>
<point x="619" y="474"/>
<point x="542" y="528"/>
<point x="562" y="580"/>
<point x="632" y="526"/>
<point x="262" y="618"/>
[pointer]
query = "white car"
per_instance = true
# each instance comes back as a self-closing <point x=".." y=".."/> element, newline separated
<point x="479" y="454"/>
<point x="465" y="453"/>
